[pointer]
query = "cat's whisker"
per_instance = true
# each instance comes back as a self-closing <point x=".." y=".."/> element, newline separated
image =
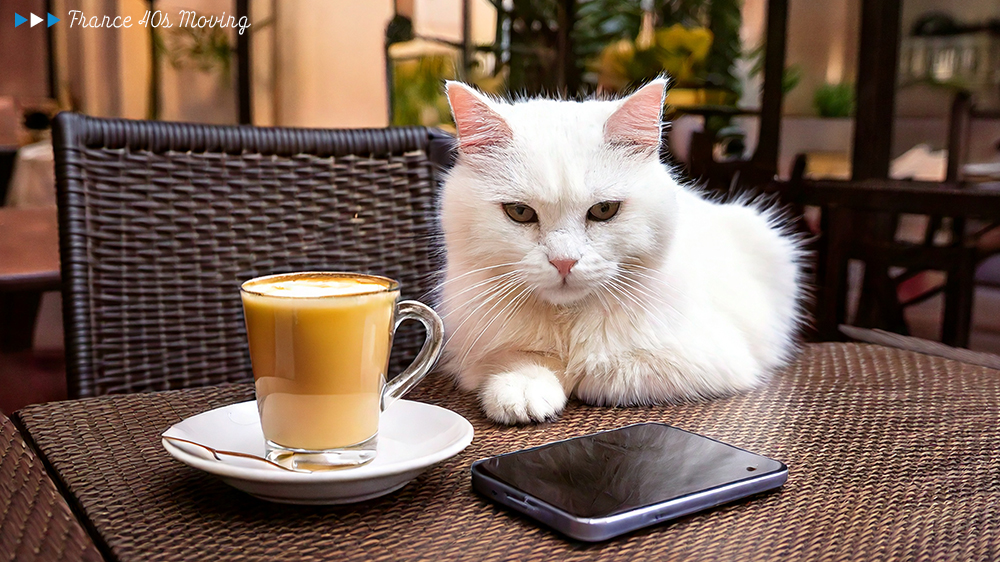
<point x="617" y="283"/>
<point x="609" y="310"/>
<point x="647" y="289"/>
<point x="659" y="299"/>
<point x="624" y="306"/>
<point x="639" y="271"/>
<point x="638" y="267"/>
<point x="483" y="298"/>
<point x="438" y="291"/>
<point x="604" y="304"/>
<point x="650" y="314"/>
<point x="630" y="269"/>
<point x="642" y="289"/>
<point x="440" y="285"/>
<point x="465" y="343"/>
<point x="495" y="294"/>
<point x="523" y="297"/>
<point x="494" y="279"/>
<point x="609" y="289"/>
<point x="641" y="275"/>
<point x="490" y="323"/>
<point x="481" y="268"/>
<point x="511" y="288"/>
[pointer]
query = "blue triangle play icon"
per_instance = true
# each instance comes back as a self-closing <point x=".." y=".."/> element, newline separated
<point x="19" y="19"/>
<point x="52" y="20"/>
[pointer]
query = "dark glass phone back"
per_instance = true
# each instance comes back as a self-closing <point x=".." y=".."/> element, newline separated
<point x="614" y="472"/>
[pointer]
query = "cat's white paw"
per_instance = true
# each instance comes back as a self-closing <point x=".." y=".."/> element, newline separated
<point x="530" y="393"/>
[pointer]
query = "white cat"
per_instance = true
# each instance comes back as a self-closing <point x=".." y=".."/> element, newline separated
<point x="577" y="265"/>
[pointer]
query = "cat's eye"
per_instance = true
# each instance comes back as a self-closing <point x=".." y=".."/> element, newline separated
<point x="603" y="211"/>
<point x="519" y="212"/>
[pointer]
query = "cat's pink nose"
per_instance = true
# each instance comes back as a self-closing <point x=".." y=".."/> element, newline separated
<point x="563" y="266"/>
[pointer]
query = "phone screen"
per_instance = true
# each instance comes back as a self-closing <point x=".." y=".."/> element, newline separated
<point x="617" y="471"/>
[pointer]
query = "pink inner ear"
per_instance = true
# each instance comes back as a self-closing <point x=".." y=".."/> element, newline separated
<point x="637" y="121"/>
<point x="479" y="127"/>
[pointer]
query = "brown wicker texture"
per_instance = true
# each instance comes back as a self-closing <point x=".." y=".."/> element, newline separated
<point x="892" y="456"/>
<point x="161" y="222"/>
<point x="36" y="524"/>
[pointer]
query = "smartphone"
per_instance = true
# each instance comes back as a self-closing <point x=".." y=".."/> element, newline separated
<point x="598" y="486"/>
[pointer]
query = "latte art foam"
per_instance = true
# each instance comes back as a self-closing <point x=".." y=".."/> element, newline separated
<point x="315" y="287"/>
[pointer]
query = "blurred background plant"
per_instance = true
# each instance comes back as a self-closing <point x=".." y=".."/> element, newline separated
<point x="834" y="100"/>
<point x="577" y="47"/>
<point x="418" y="68"/>
<point x="677" y="50"/>
<point x="790" y="78"/>
<point x="418" y="89"/>
<point x="204" y="48"/>
<point x="567" y="46"/>
<point x="697" y="42"/>
<point x="417" y="85"/>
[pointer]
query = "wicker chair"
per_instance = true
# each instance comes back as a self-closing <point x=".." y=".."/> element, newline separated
<point x="161" y="222"/>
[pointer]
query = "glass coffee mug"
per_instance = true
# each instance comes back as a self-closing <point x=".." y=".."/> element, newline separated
<point x="319" y="348"/>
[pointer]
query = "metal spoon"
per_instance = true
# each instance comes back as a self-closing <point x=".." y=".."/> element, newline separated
<point x="216" y="453"/>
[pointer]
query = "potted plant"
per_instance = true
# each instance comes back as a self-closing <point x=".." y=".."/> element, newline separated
<point x="834" y="100"/>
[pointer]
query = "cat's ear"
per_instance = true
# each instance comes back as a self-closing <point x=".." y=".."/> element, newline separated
<point x="479" y="126"/>
<point x="637" y="121"/>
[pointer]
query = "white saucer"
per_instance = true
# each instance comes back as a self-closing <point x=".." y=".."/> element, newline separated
<point x="412" y="437"/>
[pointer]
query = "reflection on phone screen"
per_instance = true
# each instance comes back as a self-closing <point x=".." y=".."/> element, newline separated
<point x="616" y="471"/>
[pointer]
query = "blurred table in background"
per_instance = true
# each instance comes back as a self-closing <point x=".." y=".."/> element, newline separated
<point x="982" y="171"/>
<point x="29" y="266"/>
<point x="33" y="179"/>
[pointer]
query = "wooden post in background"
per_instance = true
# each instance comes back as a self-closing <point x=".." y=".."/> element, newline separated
<point x="878" y="54"/>
<point x="769" y="138"/>
<point x="244" y="102"/>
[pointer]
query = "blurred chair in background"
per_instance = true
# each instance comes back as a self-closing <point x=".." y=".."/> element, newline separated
<point x="962" y="118"/>
<point x="843" y="236"/>
<point x="984" y="174"/>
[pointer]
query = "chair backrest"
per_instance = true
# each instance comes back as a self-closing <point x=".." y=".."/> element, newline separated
<point x="961" y="122"/>
<point x="161" y="222"/>
<point x="733" y="177"/>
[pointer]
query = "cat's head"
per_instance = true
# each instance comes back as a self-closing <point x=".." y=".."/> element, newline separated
<point x="568" y="194"/>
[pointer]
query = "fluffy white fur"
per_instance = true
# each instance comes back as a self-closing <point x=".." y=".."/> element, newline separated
<point x="674" y="298"/>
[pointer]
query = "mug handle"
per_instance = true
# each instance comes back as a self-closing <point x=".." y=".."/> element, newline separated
<point x="424" y="362"/>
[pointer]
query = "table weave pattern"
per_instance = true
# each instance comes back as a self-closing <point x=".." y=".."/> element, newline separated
<point x="36" y="523"/>
<point x="891" y="457"/>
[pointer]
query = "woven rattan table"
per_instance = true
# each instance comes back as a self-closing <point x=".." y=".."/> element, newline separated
<point x="892" y="455"/>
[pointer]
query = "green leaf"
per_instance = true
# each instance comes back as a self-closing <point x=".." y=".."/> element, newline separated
<point x="834" y="100"/>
